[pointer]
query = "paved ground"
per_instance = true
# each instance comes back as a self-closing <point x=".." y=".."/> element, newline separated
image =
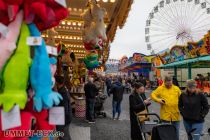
<point x="108" y="129"/>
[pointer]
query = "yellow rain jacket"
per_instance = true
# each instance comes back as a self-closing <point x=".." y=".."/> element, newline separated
<point x="169" y="111"/>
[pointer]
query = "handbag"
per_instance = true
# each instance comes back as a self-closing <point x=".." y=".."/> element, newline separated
<point x="140" y="117"/>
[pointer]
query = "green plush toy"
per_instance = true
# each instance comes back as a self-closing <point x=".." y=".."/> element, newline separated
<point x="92" y="56"/>
<point x="16" y="74"/>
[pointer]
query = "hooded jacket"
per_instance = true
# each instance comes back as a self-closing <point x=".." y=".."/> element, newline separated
<point x="117" y="91"/>
<point x="193" y="107"/>
<point x="169" y="111"/>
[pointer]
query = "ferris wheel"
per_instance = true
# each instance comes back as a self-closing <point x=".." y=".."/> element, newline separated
<point x="176" y="22"/>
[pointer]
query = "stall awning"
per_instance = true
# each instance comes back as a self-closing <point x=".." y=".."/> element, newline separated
<point x="200" y="62"/>
<point x="136" y="66"/>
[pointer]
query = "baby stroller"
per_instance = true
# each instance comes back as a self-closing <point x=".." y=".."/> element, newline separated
<point x="128" y="88"/>
<point x="156" y="130"/>
<point x="99" y="106"/>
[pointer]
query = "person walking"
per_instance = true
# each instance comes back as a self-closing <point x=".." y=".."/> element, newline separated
<point x="159" y="81"/>
<point x="117" y="90"/>
<point x="66" y="103"/>
<point x="167" y="96"/>
<point x="193" y="107"/>
<point x="175" y="81"/>
<point x="91" y="92"/>
<point x="138" y="103"/>
<point x="108" y="85"/>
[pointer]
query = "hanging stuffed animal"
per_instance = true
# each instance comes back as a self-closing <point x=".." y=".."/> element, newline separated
<point x="91" y="60"/>
<point x="8" y="43"/>
<point x="44" y="13"/>
<point x="61" y="48"/>
<point x="92" y="56"/>
<point x="94" y="27"/>
<point x="51" y="37"/>
<point x="66" y="58"/>
<point x="91" y="64"/>
<point x="87" y="17"/>
<point x="42" y="120"/>
<point x="16" y="74"/>
<point x="40" y="76"/>
<point x="98" y="14"/>
<point x="8" y="12"/>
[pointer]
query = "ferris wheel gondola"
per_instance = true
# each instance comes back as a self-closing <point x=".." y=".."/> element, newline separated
<point x="176" y="22"/>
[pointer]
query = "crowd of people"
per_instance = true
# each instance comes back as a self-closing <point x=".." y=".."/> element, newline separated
<point x="191" y="104"/>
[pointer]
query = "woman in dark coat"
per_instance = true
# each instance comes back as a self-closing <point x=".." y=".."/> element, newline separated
<point x="138" y="103"/>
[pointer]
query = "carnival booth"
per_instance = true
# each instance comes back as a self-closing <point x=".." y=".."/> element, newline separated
<point x="27" y="68"/>
<point x="196" y="55"/>
<point x="139" y="64"/>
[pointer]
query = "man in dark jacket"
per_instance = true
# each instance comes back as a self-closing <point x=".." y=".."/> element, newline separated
<point x="91" y="92"/>
<point x="117" y="91"/>
<point x="194" y="107"/>
<point x="66" y="103"/>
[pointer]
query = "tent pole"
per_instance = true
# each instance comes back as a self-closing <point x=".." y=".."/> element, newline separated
<point x="189" y="71"/>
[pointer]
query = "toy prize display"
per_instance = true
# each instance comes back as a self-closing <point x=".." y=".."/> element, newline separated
<point x="94" y="33"/>
<point x="26" y="81"/>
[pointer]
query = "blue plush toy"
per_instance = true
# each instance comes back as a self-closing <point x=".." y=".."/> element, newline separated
<point x="40" y="76"/>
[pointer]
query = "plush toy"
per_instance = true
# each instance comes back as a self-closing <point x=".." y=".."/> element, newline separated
<point x="98" y="45"/>
<point x="87" y="17"/>
<point x="91" y="61"/>
<point x="41" y="77"/>
<point x="66" y="58"/>
<point x="8" y="43"/>
<point x="44" y="13"/>
<point x="53" y="68"/>
<point x="27" y="123"/>
<point x="94" y="26"/>
<point x="51" y="37"/>
<point x="92" y="56"/>
<point x="7" y="12"/>
<point x="88" y="46"/>
<point x="91" y="64"/>
<point x="42" y="120"/>
<point x="98" y="14"/>
<point x="61" y="48"/>
<point x="16" y="74"/>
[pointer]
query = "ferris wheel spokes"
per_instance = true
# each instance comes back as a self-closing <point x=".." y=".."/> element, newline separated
<point x="176" y="22"/>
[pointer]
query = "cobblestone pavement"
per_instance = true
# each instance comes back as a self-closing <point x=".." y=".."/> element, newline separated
<point x="108" y="129"/>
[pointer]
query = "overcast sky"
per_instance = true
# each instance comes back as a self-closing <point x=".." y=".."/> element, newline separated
<point x="131" y="38"/>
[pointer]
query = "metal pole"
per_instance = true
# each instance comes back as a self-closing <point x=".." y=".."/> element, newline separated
<point x="189" y="71"/>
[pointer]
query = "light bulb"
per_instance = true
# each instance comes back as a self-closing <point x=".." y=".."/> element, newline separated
<point x="63" y="22"/>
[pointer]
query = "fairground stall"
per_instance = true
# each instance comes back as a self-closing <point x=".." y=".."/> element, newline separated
<point x="138" y="64"/>
<point x="195" y="57"/>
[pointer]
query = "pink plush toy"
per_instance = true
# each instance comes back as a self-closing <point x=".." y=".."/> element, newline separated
<point x="8" y="43"/>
